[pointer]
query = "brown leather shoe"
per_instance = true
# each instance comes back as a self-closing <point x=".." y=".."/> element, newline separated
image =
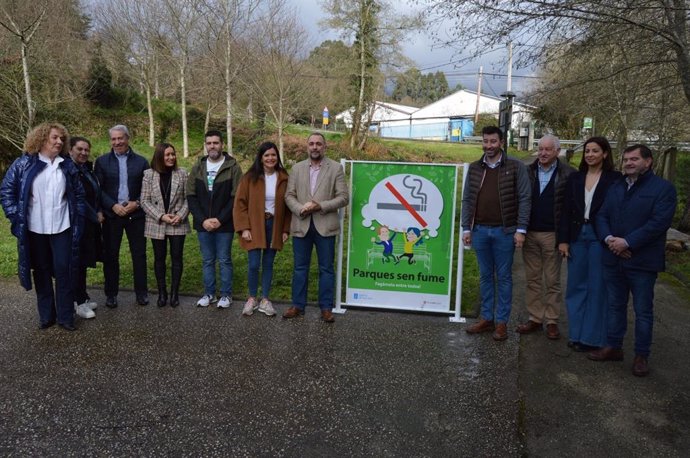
<point x="501" y="332"/>
<point x="327" y="316"/>
<point x="480" y="326"/>
<point x="528" y="327"/>
<point x="606" y="354"/>
<point x="292" y="312"/>
<point x="640" y="367"/>
<point x="552" y="331"/>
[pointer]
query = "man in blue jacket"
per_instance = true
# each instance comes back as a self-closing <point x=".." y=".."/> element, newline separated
<point x="633" y="221"/>
<point x="120" y="173"/>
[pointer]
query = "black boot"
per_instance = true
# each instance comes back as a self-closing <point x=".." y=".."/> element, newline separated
<point x="175" y="273"/>
<point x="175" y="285"/>
<point x="174" y="299"/>
<point x="162" y="297"/>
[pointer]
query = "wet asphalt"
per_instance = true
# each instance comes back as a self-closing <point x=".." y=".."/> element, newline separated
<point x="149" y="381"/>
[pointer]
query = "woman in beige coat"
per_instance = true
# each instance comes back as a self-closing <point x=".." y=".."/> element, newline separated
<point x="163" y="198"/>
<point x="262" y="219"/>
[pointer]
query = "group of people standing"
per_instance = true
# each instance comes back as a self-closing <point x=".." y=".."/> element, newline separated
<point x="610" y="226"/>
<point x="68" y="215"/>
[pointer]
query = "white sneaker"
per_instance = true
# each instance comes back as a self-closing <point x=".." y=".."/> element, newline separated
<point x="93" y="305"/>
<point x="224" y="302"/>
<point x="249" y="307"/>
<point x="205" y="300"/>
<point x="266" y="307"/>
<point x="84" y="311"/>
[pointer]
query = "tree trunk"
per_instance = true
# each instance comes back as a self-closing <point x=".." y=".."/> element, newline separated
<point x="250" y="109"/>
<point x="621" y="142"/>
<point x="183" y="91"/>
<point x="207" y="118"/>
<point x="665" y="164"/>
<point x="684" y="223"/>
<point x="228" y="105"/>
<point x="149" y="109"/>
<point x="359" y="109"/>
<point x="678" y="22"/>
<point x="31" y="112"/>
<point x="280" y="132"/>
<point x="365" y="135"/>
<point x="156" y="88"/>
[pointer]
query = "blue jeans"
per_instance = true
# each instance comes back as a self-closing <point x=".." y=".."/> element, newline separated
<point x="622" y="282"/>
<point x="494" y="250"/>
<point x="325" y="253"/>
<point x="585" y="296"/>
<point x="216" y="245"/>
<point x="264" y="258"/>
<point x="50" y="257"/>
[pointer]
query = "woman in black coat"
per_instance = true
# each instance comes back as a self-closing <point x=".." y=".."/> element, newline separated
<point x="585" y="296"/>
<point x="91" y="246"/>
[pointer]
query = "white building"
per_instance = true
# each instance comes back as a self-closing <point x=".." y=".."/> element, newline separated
<point x="383" y="111"/>
<point x="450" y="118"/>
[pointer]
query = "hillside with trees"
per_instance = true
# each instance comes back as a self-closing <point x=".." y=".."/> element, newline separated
<point x="168" y="66"/>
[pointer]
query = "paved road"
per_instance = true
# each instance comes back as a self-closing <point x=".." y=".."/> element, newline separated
<point x="187" y="381"/>
<point x="575" y="407"/>
<point x="203" y="382"/>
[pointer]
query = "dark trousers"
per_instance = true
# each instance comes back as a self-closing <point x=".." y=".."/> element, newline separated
<point x="79" y="281"/>
<point x="160" y="252"/>
<point x="50" y="257"/>
<point x="112" y="239"/>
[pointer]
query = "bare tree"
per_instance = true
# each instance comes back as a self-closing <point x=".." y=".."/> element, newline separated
<point x="545" y="29"/>
<point x="132" y="28"/>
<point x="180" y="20"/>
<point x="43" y="46"/>
<point x="24" y="31"/>
<point x="615" y="103"/>
<point x="376" y="29"/>
<point x="279" y="59"/>
<point x="227" y="22"/>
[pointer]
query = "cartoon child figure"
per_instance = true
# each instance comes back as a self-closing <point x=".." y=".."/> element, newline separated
<point x="386" y="240"/>
<point x="413" y="238"/>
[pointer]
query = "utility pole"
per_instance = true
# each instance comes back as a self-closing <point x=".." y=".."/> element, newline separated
<point x="509" y="86"/>
<point x="505" y="117"/>
<point x="479" y="95"/>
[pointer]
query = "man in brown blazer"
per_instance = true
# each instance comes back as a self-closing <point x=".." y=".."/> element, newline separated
<point x="316" y="190"/>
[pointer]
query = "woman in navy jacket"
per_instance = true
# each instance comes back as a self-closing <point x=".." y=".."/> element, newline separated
<point x="43" y="198"/>
<point x="585" y="296"/>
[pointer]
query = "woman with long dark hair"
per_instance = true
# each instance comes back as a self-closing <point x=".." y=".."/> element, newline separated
<point x="263" y="222"/>
<point x="164" y="200"/>
<point x="91" y="245"/>
<point x="43" y="198"/>
<point x="585" y="296"/>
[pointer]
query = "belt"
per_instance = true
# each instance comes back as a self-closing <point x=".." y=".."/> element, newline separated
<point x="586" y="221"/>
<point x="268" y="215"/>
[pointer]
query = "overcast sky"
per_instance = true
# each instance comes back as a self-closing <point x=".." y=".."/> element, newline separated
<point x="428" y="58"/>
